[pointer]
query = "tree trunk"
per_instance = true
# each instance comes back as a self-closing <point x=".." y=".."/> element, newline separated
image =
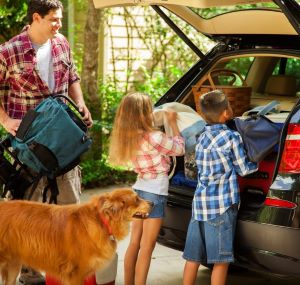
<point x="89" y="76"/>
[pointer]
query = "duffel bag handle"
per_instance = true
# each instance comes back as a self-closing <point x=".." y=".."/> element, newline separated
<point x="69" y="100"/>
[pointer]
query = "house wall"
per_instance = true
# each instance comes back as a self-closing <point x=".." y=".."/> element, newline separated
<point x="126" y="51"/>
<point x="121" y="49"/>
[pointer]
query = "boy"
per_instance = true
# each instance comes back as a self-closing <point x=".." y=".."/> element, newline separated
<point x="220" y="156"/>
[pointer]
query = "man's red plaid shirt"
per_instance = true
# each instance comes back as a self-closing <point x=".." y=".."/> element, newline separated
<point x="21" y="87"/>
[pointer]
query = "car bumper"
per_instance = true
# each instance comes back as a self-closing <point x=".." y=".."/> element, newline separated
<point x="268" y="248"/>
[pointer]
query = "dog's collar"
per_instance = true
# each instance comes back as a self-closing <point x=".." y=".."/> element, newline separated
<point x="105" y="223"/>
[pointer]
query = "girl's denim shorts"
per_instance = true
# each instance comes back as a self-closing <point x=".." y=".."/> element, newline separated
<point x="211" y="241"/>
<point x="159" y="203"/>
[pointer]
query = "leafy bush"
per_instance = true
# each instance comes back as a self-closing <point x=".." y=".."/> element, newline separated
<point x="97" y="173"/>
<point x="12" y="18"/>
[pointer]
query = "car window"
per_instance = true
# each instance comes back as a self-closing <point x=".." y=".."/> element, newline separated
<point x="208" y="13"/>
<point x="289" y="67"/>
<point x="241" y="65"/>
<point x="203" y="42"/>
<point x="270" y="78"/>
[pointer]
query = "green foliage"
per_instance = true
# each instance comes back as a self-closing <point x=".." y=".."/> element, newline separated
<point x="110" y="97"/>
<point x="3" y="132"/>
<point x="241" y="65"/>
<point x="157" y="84"/>
<point x="97" y="173"/>
<point x="12" y="18"/>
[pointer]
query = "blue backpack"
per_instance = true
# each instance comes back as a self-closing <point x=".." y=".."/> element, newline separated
<point x="51" y="138"/>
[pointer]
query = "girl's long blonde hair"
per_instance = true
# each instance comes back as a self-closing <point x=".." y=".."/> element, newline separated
<point x="133" y="119"/>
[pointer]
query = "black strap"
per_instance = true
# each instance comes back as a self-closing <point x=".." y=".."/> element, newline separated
<point x="26" y="123"/>
<point x="73" y="115"/>
<point x="45" y="156"/>
<point x="52" y="186"/>
<point x="67" y="99"/>
<point x="34" y="185"/>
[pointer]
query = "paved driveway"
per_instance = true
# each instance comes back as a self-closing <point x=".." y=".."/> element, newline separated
<point x="167" y="265"/>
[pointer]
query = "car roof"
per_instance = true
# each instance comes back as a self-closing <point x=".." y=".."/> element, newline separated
<point x="238" y="22"/>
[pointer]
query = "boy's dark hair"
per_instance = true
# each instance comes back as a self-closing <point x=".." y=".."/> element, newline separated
<point x="212" y="105"/>
<point x="42" y="7"/>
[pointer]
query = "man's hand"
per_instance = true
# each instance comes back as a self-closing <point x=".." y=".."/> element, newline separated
<point x="11" y="125"/>
<point x="86" y="115"/>
<point x="75" y="94"/>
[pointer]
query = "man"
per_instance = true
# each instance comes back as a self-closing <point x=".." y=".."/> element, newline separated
<point x="33" y="65"/>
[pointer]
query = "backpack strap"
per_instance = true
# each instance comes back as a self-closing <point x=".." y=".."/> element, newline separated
<point x="45" y="155"/>
<point x="34" y="186"/>
<point x="52" y="186"/>
<point x="26" y="122"/>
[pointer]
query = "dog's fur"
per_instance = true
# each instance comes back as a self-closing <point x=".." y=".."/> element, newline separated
<point x="68" y="242"/>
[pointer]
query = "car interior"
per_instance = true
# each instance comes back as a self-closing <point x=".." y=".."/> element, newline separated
<point x="249" y="82"/>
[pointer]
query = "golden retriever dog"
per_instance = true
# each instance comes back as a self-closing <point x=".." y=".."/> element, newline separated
<point x="68" y="242"/>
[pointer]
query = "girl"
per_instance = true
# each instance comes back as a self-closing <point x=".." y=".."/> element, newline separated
<point x="134" y="140"/>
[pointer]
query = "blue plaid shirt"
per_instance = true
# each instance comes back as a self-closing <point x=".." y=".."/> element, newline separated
<point x="220" y="156"/>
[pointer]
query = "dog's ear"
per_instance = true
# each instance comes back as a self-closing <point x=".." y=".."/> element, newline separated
<point x="110" y="207"/>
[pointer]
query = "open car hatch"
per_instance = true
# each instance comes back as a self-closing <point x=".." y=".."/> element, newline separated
<point x="189" y="3"/>
<point x="238" y="22"/>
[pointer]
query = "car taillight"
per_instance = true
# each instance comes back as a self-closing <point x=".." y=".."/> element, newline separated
<point x="275" y="202"/>
<point x="290" y="160"/>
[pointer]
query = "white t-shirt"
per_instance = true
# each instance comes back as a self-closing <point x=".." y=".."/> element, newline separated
<point x="158" y="185"/>
<point x="44" y="63"/>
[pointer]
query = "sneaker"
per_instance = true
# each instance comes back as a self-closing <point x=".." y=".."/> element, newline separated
<point x="29" y="276"/>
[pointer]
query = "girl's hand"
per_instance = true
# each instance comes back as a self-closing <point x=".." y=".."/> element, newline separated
<point x="172" y="120"/>
<point x="171" y="116"/>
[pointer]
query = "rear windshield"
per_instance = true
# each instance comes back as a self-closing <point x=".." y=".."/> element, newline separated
<point x="208" y="13"/>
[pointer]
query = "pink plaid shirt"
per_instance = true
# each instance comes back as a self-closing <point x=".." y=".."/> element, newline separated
<point x="21" y="87"/>
<point x="152" y="160"/>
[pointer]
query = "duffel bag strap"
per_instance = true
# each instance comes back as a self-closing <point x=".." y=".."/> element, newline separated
<point x="52" y="186"/>
<point x="26" y="123"/>
<point x="34" y="186"/>
<point x="69" y="100"/>
<point x="45" y="155"/>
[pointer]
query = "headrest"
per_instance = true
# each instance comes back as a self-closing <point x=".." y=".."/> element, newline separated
<point x="281" y="85"/>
